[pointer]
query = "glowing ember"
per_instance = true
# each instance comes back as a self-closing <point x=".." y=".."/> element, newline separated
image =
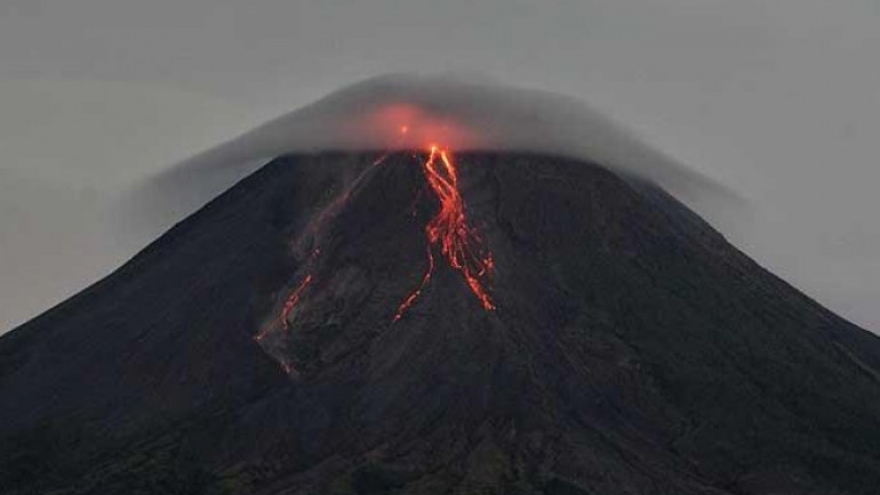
<point x="449" y="230"/>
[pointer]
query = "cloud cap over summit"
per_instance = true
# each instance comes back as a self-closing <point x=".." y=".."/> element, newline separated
<point x="463" y="112"/>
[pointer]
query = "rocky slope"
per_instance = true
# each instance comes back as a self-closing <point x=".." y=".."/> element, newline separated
<point x="633" y="350"/>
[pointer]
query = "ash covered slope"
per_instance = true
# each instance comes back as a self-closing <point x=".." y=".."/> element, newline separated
<point x="632" y="351"/>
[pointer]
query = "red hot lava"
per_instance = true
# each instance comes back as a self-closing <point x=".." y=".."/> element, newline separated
<point x="449" y="231"/>
<point x="293" y="300"/>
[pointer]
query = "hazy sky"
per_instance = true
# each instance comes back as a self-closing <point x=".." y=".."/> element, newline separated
<point x="779" y="100"/>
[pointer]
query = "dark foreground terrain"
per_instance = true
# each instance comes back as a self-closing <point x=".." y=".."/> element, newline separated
<point x="633" y="351"/>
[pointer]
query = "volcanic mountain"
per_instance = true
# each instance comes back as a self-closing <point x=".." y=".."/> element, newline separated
<point x="421" y="323"/>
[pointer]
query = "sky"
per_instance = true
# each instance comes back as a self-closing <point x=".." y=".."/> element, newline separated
<point x="779" y="100"/>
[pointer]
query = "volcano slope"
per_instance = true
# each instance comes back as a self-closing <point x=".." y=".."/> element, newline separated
<point x="632" y="350"/>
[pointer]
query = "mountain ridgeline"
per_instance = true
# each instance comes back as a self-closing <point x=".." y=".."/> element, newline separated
<point x="629" y="349"/>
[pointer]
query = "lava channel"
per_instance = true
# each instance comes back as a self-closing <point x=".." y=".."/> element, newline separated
<point x="450" y="233"/>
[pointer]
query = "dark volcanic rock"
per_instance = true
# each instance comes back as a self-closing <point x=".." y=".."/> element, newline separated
<point x="633" y="351"/>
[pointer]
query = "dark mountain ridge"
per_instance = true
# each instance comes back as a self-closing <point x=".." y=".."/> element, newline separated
<point x="633" y="350"/>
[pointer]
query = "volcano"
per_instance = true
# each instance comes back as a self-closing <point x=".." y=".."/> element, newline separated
<point x="519" y="323"/>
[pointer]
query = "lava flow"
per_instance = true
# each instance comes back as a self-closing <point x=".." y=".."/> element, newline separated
<point x="449" y="231"/>
<point x="448" y="235"/>
<point x="293" y="300"/>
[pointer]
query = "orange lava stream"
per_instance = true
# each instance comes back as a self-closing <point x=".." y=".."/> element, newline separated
<point x="411" y="298"/>
<point x="449" y="230"/>
<point x="293" y="300"/>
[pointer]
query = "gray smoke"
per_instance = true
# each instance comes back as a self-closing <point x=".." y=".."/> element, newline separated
<point x="406" y="112"/>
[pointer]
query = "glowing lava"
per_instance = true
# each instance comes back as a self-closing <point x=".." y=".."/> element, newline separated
<point x="449" y="231"/>
<point x="293" y="300"/>
<point x="448" y="235"/>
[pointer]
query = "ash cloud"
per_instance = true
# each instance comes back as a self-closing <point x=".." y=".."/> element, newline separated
<point x="407" y="111"/>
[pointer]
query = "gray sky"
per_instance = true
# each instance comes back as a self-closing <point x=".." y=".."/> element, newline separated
<point x="779" y="100"/>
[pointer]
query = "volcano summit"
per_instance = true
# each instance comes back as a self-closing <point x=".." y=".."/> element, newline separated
<point x="422" y="321"/>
